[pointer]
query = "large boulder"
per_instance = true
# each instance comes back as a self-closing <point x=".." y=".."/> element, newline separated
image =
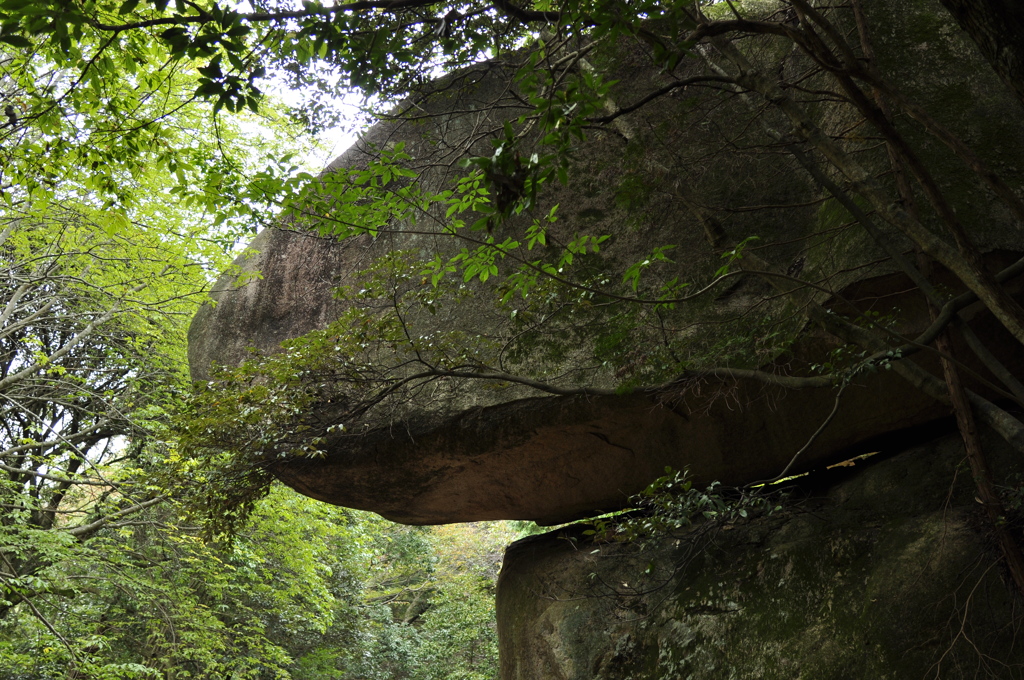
<point x="880" y="573"/>
<point x="561" y="407"/>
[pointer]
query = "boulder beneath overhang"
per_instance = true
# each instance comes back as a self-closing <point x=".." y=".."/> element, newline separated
<point x="878" y="570"/>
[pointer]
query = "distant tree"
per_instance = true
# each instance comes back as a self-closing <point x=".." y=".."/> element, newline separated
<point x="107" y="245"/>
<point x="428" y="603"/>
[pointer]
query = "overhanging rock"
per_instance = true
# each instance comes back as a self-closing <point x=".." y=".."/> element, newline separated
<point x="479" y="443"/>
<point x="552" y="459"/>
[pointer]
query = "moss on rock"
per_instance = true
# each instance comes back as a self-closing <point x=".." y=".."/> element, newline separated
<point x="884" y="574"/>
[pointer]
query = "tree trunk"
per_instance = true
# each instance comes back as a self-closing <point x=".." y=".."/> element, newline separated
<point x="987" y="494"/>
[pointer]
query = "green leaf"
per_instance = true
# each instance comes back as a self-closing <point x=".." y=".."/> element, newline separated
<point x="16" y="41"/>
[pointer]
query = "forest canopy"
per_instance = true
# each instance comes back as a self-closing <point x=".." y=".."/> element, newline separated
<point x="125" y="190"/>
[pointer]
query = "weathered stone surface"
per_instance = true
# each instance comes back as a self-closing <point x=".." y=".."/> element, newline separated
<point x="555" y="458"/>
<point x="884" y="574"/>
<point x="298" y="271"/>
<point x="491" y="449"/>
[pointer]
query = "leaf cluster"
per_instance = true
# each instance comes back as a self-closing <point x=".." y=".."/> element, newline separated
<point x="672" y="505"/>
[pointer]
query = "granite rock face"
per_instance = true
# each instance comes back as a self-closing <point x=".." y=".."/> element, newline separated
<point x="478" y="449"/>
<point x="880" y="573"/>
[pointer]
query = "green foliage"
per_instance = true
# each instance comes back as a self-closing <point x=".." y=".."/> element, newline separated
<point x="459" y="640"/>
<point x="117" y="210"/>
<point x="97" y="575"/>
<point x="92" y="335"/>
<point x="672" y="504"/>
<point x="733" y="255"/>
<point x="128" y="128"/>
<point x="152" y="597"/>
<point x="305" y="591"/>
<point x="428" y="603"/>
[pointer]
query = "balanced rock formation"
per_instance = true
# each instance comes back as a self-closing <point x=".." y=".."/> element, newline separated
<point x="472" y="404"/>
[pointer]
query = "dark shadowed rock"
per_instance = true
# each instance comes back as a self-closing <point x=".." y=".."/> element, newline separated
<point x="298" y="271"/>
<point x="884" y="575"/>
